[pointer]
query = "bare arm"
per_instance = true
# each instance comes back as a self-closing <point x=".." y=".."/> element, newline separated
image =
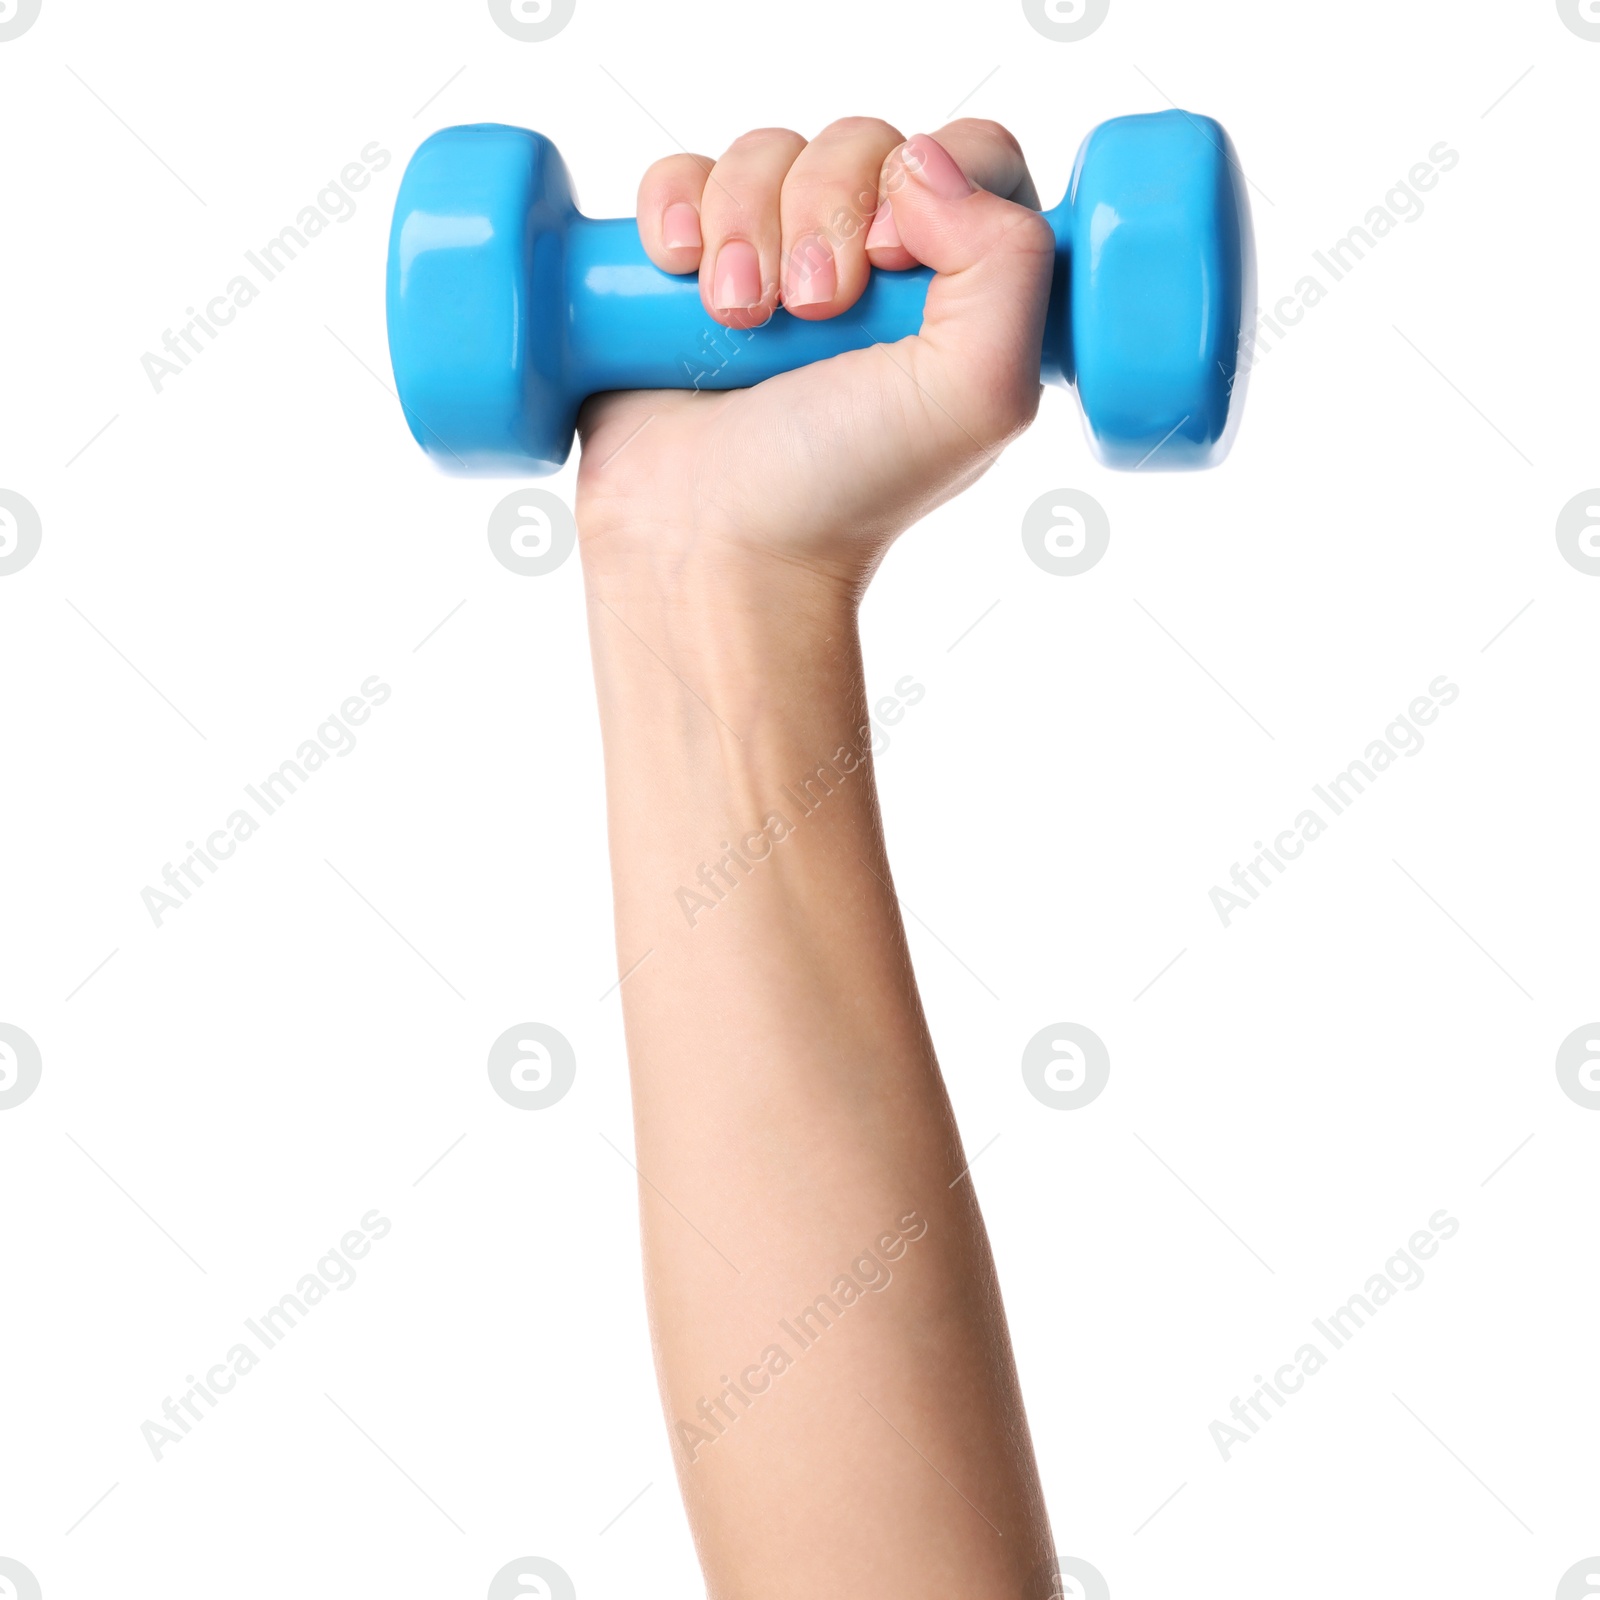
<point x="829" y="1336"/>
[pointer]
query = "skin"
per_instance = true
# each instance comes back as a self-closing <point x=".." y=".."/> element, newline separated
<point x="789" y="1112"/>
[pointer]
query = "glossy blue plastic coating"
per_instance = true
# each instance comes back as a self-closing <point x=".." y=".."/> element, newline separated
<point x="507" y="308"/>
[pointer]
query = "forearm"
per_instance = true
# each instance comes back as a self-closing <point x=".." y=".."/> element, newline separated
<point x="829" y="1337"/>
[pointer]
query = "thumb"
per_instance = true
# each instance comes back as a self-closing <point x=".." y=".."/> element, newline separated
<point x="977" y="356"/>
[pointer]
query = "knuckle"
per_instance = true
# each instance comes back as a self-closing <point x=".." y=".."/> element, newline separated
<point x="674" y="172"/>
<point x="853" y="129"/>
<point x="1025" y="402"/>
<point x="763" y="138"/>
<point x="1029" y="233"/>
<point x="658" y="173"/>
<point x="982" y="128"/>
<point x="1008" y="404"/>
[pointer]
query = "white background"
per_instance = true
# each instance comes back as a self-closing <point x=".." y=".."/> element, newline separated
<point x="1289" y="1101"/>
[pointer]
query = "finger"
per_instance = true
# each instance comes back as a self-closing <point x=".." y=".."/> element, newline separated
<point x="829" y="198"/>
<point x="669" y="211"/>
<point x="991" y="158"/>
<point x="977" y="356"/>
<point x="743" y="229"/>
<point x="986" y="152"/>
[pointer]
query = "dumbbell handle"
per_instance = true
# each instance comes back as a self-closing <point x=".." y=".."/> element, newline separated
<point x="630" y="325"/>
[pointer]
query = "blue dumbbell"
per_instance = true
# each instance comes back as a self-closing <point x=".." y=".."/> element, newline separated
<point x="507" y="308"/>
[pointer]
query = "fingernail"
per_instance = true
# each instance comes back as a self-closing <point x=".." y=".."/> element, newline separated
<point x="813" y="275"/>
<point x="736" y="284"/>
<point x="928" y="161"/>
<point x="680" y="226"/>
<point x="883" y="234"/>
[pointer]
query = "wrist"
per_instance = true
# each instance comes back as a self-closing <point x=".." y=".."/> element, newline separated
<point x="716" y="681"/>
<point x="743" y="624"/>
<point x="650" y="555"/>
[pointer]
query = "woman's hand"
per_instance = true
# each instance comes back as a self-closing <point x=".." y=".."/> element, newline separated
<point x="824" y="466"/>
